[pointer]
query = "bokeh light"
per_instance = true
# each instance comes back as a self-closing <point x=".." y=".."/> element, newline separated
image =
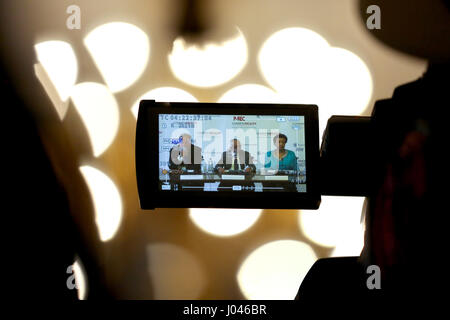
<point x="107" y="202"/>
<point x="347" y="82"/>
<point x="286" y="61"/>
<point x="174" y="272"/>
<point x="275" y="270"/>
<point x="210" y="65"/>
<point x="121" y="52"/>
<point x="250" y="93"/>
<point x="352" y="246"/>
<point x="99" y="112"/>
<point x="224" y="222"/>
<point x="337" y="223"/>
<point x="164" y="94"/>
<point x="80" y="278"/>
<point x="57" y="71"/>
<point x="303" y="68"/>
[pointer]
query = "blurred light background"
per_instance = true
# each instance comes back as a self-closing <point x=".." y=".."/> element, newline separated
<point x="297" y="51"/>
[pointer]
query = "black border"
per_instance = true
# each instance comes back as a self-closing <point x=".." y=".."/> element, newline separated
<point x="147" y="141"/>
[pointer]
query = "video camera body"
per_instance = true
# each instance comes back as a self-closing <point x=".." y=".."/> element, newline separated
<point x="247" y="155"/>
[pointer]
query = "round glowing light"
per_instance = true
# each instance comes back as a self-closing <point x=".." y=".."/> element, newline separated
<point x="57" y="70"/>
<point x="275" y="270"/>
<point x="210" y="65"/>
<point x="286" y="58"/>
<point x="351" y="246"/>
<point x="250" y="93"/>
<point x="164" y="94"/>
<point x="99" y="112"/>
<point x="303" y="68"/>
<point x="80" y="279"/>
<point x="336" y="223"/>
<point x="224" y="222"/>
<point x="167" y="279"/>
<point x="120" y="51"/>
<point x="346" y="84"/>
<point x="107" y="201"/>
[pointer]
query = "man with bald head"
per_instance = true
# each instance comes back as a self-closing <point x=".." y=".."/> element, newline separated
<point x="235" y="159"/>
<point x="185" y="156"/>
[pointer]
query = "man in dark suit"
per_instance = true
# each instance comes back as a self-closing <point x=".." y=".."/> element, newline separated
<point x="235" y="159"/>
<point x="185" y="156"/>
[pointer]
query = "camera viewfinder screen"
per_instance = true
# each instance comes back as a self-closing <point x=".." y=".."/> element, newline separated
<point x="232" y="153"/>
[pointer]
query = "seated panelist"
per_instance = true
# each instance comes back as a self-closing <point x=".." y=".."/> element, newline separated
<point x="280" y="158"/>
<point x="185" y="156"/>
<point x="235" y="159"/>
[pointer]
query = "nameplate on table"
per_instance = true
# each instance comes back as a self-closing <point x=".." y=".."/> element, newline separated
<point x="191" y="177"/>
<point x="233" y="177"/>
<point x="276" y="178"/>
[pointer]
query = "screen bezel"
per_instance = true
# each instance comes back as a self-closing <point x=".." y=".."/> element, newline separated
<point x="147" y="160"/>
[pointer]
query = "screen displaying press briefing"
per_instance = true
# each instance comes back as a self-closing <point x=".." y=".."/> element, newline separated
<point x="234" y="153"/>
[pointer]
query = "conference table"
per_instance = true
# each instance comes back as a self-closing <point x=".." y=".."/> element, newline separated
<point x="233" y="181"/>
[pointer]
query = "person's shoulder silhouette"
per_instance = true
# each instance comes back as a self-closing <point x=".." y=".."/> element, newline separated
<point x="404" y="219"/>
